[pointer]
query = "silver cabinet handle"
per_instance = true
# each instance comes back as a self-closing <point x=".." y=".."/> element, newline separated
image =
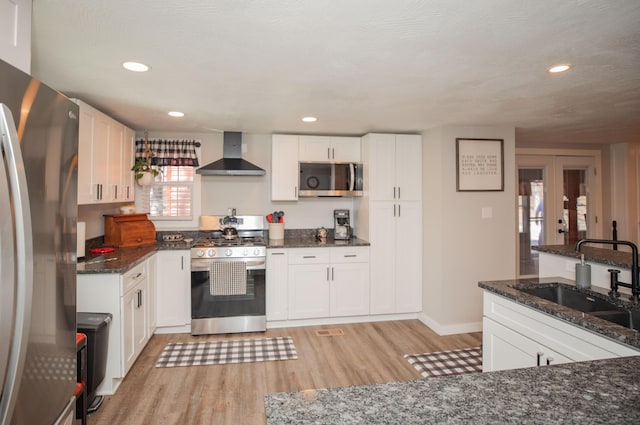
<point x="182" y="262"/>
<point x="349" y="255"/>
<point x="332" y="270"/>
<point x="394" y="210"/>
<point x="399" y="214"/>
<point x="115" y="189"/>
<point x="394" y="192"/>
<point x="308" y="256"/>
<point x="328" y="153"/>
<point x="277" y="253"/>
<point x="327" y="273"/>
<point x="333" y="153"/>
<point x="398" y="192"/>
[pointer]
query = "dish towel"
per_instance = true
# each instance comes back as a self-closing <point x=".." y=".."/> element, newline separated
<point x="228" y="278"/>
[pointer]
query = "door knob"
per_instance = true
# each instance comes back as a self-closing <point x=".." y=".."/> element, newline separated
<point x="562" y="231"/>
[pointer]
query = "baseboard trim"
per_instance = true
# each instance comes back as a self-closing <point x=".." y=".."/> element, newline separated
<point x="338" y="320"/>
<point x="458" y="328"/>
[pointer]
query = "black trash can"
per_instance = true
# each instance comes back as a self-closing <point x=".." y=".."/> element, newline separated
<point x="96" y="327"/>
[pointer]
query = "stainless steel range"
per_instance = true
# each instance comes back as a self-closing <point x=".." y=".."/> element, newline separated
<point x="228" y="276"/>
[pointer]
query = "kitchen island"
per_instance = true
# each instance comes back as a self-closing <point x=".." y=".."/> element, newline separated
<point x="601" y="391"/>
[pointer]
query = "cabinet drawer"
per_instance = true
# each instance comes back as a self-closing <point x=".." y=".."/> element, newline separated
<point x="350" y="255"/>
<point x="310" y="256"/>
<point x="133" y="277"/>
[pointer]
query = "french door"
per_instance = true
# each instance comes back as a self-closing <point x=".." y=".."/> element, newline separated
<point x="557" y="204"/>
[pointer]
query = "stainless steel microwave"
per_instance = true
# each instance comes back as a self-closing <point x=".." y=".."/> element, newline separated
<point x="330" y="179"/>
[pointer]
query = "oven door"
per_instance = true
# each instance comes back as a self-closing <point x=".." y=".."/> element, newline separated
<point x="218" y="290"/>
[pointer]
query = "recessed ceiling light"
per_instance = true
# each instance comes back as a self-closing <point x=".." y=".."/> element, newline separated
<point x="135" y="66"/>
<point x="559" y="68"/>
<point x="309" y="119"/>
<point x="176" y="114"/>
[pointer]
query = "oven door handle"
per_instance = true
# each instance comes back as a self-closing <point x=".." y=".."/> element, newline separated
<point x="204" y="265"/>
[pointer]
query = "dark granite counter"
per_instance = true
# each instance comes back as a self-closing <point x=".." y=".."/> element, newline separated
<point x="306" y="238"/>
<point x="312" y="242"/>
<point x="595" y="392"/>
<point x="118" y="261"/>
<point x="508" y="289"/>
<point x="609" y="257"/>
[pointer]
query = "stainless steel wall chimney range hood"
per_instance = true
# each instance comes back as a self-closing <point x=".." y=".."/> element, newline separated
<point x="231" y="163"/>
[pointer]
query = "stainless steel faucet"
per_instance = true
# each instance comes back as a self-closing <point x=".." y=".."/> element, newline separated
<point x="635" y="273"/>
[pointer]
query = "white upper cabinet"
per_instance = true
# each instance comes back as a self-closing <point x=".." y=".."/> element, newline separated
<point x="329" y="148"/>
<point x="15" y="33"/>
<point x="397" y="161"/>
<point x="105" y="156"/>
<point x="284" y="167"/>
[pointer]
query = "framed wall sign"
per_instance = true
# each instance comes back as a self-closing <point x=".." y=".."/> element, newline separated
<point x="479" y="165"/>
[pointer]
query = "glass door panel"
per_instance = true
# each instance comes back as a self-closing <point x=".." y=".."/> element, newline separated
<point x="531" y="217"/>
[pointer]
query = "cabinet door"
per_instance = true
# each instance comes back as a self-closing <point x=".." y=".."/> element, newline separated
<point x="382" y="257"/>
<point x="308" y="291"/>
<point x="140" y="325"/>
<point x="345" y="149"/>
<point x="284" y="167"/>
<point x="408" y="267"/>
<point x="15" y="40"/>
<point x="408" y="167"/>
<point x="503" y="349"/>
<point x="382" y="173"/>
<point x="87" y="187"/>
<point x="277" y="278"/>
<point x="129" y="336"/>
<point x="173" y="288"/>
<point x="151" y="298"/>
<point x="126" y="190"/>
<point x="99" y="157"/>
<point x="314" y="148"/>
<point x="114" y="161"/>
<point x="349" y="289"/>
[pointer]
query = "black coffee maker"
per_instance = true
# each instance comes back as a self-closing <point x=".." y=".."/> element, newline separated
<point x="342" y="225"/>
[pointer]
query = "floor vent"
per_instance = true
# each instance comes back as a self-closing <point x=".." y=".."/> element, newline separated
<point x="329" y="332"/>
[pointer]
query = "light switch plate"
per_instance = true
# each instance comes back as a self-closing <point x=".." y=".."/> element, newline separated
<point x="487" y="212"/>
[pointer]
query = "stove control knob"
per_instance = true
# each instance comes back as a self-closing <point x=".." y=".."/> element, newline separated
<point x="228" y="253"/>
<point x="245" y="252"/>
<point x="256" y="251"/>
<point x="211" y="252"/>
<point x="200" y="253"/>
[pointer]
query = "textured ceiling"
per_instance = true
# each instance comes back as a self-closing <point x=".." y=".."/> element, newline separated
<point x="358" y="65"/>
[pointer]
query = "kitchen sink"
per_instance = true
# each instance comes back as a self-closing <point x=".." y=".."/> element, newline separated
<point x="571" y="298"/>
<point x="598" y="307"/>
<point x="624" y="317"/>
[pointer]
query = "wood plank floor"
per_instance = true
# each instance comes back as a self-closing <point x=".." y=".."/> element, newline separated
<point x="367" y="353"/>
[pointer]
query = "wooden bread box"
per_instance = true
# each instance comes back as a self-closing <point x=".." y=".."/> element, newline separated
<point x="124" y="230"/>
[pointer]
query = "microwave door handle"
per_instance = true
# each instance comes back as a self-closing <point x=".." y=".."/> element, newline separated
<point x="352" y="173"/>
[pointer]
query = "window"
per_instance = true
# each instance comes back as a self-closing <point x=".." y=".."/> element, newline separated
<point x="171" y="195"/>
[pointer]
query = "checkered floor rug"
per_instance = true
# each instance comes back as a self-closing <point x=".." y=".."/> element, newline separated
<point x="227" y="351"/>
<point x="442" y="363"/>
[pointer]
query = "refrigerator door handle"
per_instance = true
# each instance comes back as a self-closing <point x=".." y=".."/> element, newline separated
<point x="23" y="279"/>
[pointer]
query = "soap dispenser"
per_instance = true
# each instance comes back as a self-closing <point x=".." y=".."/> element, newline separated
<point x="583" y="274"/>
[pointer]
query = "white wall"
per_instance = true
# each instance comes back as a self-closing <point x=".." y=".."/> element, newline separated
<point x="460" y="247"/>
<point x="251" y="195"/>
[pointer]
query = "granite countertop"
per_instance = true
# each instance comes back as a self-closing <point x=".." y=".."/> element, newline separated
<point x="123" y="259"/>
<point x="312" y="242"/>
<point x="609" y="257"/>
<point x="118" y="261"/>
<point x="619" y="333"/>
<point x="601" y="391"/>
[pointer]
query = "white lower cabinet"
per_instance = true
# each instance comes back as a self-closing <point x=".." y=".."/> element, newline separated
<point x="328" y="282"/>
<point x="277" y="277"/>
<point x="126" y="297"/>
<point x="173" y="288"/>
<point x="516" y="336"/>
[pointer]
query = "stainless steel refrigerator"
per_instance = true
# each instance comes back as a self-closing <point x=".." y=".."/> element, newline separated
<point x="38" y="215"/>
